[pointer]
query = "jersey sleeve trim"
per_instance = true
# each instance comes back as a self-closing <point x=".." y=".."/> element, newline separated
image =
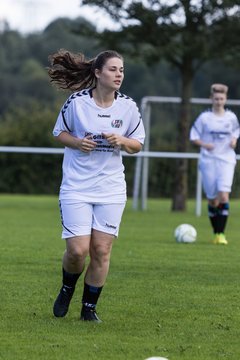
<point x="134" y="129"/>
<point x="65" y="122"/>
<point x="196" y="129"/>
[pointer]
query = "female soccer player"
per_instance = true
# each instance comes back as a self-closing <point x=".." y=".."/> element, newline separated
<point x="95" y="123"/>
<point x="216" y="132"/>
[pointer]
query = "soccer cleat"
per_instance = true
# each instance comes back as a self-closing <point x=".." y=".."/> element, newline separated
<point x="220" y="239"/>
<point x="89" y="314"/>
<point x="62" y="302"/>
<point x="216" y="239"/>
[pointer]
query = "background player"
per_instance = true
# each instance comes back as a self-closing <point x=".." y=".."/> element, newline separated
<point x="95" y="123"/>
<point x="216" y="132"/>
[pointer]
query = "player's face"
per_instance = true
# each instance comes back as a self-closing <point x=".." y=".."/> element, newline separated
<point x="111" y="75"/>
<point x="219" y="100"/>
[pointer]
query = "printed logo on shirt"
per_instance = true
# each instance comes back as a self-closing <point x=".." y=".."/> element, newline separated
<point x="104" y="116"/>
<point x="219" y="135"/>
<point x="116" y="124"/>
<point x="102" y="143"/>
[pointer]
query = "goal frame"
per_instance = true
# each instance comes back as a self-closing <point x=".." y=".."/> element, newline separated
<point x="141" y="174"/>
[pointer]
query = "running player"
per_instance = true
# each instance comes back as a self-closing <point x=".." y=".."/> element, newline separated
<point x="216" y="132"/>
<point x="94" y="125"/>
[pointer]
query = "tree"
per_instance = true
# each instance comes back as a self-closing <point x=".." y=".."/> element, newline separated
<point x="29" y="173"/>
<point x="23" y="61"/>
<point x="186" y="33"/>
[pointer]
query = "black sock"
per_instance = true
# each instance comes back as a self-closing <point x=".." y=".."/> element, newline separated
<point x="213" y="217"/>
<point x="69" y="279"/>
<point x="223" y="212"/>
<point x="90" y="296"/>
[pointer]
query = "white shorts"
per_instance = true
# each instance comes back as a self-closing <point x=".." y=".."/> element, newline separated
<point x="80" y="218"/>
<point x="217" y="176"/>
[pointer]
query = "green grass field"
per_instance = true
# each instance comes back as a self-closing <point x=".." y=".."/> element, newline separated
<point x="179" y="301"/>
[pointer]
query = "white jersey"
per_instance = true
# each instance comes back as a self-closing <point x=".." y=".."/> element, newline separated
<point x="97" y="176"/>
<point x="216" y="130"/>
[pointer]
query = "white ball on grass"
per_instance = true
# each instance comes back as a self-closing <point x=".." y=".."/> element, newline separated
<point x="185" y="233"/>
<point x="156" y="358"/>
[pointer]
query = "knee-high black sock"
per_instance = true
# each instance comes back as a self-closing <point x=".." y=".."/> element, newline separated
<point x="69" y="279"/>
<point x="91" y="295"/>
<point x="213" y="217"/>
<point x="223" y="212"/>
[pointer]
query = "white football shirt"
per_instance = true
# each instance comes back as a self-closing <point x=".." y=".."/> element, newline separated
<point x="97" y="176"/>
<point x="217" y="130"/>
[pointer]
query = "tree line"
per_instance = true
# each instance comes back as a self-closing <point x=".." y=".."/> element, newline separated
<point x="157" y="55"/>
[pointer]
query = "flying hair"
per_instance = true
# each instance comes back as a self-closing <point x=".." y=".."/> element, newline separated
<point x="70" y="71"/>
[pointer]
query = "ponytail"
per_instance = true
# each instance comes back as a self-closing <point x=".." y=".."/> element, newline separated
<point x="71" y="71"/>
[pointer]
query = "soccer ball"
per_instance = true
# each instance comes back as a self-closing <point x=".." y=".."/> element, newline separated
<point x="185" y="233"/>
<point x="156" y="358"/>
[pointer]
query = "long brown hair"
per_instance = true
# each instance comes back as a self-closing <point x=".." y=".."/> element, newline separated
<point x="73" y="71"/>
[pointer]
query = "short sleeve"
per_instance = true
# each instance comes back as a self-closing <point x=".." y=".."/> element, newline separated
<point x="236" y="129"/>
<point x="136" y="129"/>
<point x="196" y="129"/>
<point x="65" y="119"/>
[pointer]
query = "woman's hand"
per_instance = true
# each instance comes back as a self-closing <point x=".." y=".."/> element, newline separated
<point x="208" y="147"/>
<point x="233" y="143"/>
<point x="87" y="144"/>
<point x="131" y="146"/>
<point x="114" y="139"/>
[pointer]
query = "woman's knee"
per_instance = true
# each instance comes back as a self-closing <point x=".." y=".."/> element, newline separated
<point x="213" y="202"/>
<point x="77" y="250"/>
<point x="76" y="254"/>
<point x="223" y="197"/>
<point x="101" y="253"/>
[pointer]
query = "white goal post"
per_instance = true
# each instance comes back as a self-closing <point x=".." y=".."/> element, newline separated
<point x="142" y="164"/>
